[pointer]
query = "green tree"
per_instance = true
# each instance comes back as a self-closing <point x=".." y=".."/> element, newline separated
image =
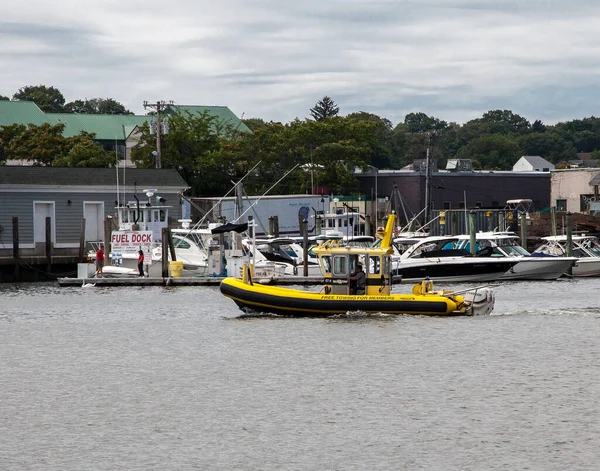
<point x="48" y="99"/>
<point x="325" y="108"/>
<point x="505" y="122"/>
<point x="83" y="151"/>
<point x="420" y="123"/>
<point x="188" y="148"/>
<point x="4" y="98"/>
<point x="492" y="152"/>
<point x="549" y="145"/>
<point x="254" y="123"/>
<point x="40" y="144"/>
<point x="96" y="106"/>
<point x="7" y="134"/>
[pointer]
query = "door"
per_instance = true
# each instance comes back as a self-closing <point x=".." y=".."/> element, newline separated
<point x="93" y="212"/>
<point x="42" y="210"/>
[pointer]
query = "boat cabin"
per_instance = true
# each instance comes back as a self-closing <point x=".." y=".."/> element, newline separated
<point x="338" y="265"/>
<point x="136" y="216"/>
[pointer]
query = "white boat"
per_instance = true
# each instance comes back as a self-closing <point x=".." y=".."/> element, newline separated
<point x="496" y="244"/>
<point x="586" y="249"/>
<point x="438" y="258"/>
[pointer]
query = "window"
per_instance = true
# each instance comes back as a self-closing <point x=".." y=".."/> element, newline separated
<point x="374" y="265"/>
<point x="447" y="204"/>
<point x="561" y="205"/>
<point x="326" y="263"/>
<point x="180" y="243"/>
<point x="479" y="204"/>
<point x="340" y="265"/>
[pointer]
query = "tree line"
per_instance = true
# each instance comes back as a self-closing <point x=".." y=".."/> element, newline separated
<point x="324" y="150"/>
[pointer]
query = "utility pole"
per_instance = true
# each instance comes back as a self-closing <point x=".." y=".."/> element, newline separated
<point x="158" y="107"/>
<point x="428" y="172"/>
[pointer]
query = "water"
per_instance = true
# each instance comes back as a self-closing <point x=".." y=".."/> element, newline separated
<point x="178" y="379"/>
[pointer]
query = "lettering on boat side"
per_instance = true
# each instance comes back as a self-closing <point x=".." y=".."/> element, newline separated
<point x="357" y="298"/>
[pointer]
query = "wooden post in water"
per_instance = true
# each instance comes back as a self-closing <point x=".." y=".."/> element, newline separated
<point x="16" y="255"/>
<point x="82" y="256"/>
<point x="524" y="230"/>
<point x="49" y="245"/>
<point x="569" y="234"/>
<point x="367" y="225"/>
<point x="276" y="226"/>
<point x="271" y="226"/>
<point x="305" y="246"/>
<point x="171" y="245"/>
<point x="165" y="253"/>
<point x="453" y="223"/>
<point x="107" y="238"/>
<point x="501" y="221"/>
<point x="473" y="231"/>
<point x="553" y="219"/>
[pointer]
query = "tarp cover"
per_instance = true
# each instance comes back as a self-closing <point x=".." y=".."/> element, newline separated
<point x="229" y="227"/>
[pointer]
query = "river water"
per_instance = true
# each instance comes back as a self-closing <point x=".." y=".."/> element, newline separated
<point x="178" y="379"/>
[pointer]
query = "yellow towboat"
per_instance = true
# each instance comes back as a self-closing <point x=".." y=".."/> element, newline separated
<point x="338" y="264"/>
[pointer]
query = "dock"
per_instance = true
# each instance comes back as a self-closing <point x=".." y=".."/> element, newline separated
<point x="183" y="281"/>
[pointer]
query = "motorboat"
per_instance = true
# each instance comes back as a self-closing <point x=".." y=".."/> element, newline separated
<point x="439" y="258"/>
<point x="496" y="244"/>
<point x="337" y="295"/>
<point x="586" y="249"/>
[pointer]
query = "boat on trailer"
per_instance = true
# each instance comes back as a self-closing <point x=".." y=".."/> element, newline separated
<point x="337" y="296"/>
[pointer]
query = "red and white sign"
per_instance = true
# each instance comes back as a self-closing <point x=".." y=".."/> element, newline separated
<point x="131" y="241"/>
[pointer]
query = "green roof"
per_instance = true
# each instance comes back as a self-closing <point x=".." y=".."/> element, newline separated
<point x="23" y="112"/>
<point x="107" y="127"/>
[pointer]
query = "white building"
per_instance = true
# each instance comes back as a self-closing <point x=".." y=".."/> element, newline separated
<point x="532" y="163"/>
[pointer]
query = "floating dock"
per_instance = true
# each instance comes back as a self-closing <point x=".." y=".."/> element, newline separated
<point x="183" y="281"/>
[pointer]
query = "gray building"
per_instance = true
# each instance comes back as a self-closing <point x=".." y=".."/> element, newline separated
<point x="30" y="195"/>
<point x="456" y="190"/>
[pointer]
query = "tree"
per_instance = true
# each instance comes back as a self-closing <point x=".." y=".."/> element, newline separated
<point x="325" y="108"/>
<point x="420" y="122"/>
<point x="96" y="106"/>
<point x="492" y="152"/>
<point x="84" y="152"/>
<point x="48" y="99"/>
<point x="505" y="122"/>
<point x="41" y="144"/>
<point x="4" y="98"/>
<point x="189" y="148"/>
<point x="254" y="123"/>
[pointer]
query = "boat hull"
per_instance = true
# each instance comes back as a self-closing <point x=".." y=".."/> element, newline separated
<point x="287" y="301"/>
<point x="588" y="266"/>
<point x="453" y="269"/>
<point x="538" y="268"/>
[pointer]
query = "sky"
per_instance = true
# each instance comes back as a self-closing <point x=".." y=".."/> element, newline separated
<point x="275" y="59"/>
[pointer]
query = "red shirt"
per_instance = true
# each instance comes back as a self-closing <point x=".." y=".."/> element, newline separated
<point x="141" y="258"/>
<point x="100" y="255"/>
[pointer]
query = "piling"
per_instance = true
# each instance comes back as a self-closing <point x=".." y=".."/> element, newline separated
<point x="49" y="244"/>
<point x="524" y="230"/>
<point x="569" y="235"/>
<point x="15" y="223"/>
<point x="473" y="231"/>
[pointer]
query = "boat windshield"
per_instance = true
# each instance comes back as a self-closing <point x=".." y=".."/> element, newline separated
<point x="592" y="246"/>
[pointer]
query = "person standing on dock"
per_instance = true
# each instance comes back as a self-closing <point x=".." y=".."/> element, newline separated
<point x="141" y="263"/>
<point x="100" y="262"/>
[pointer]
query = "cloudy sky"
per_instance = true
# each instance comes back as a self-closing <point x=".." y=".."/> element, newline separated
<point x="274" y="59"/>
